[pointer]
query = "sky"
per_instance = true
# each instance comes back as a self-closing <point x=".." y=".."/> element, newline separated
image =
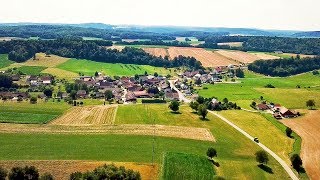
<point x="262" y="14"/>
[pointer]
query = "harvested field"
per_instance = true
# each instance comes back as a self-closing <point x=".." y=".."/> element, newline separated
<point x="207" y="58"/>
<point x="294" y="55"/>
<point x="60" y="73"/>
<point x="62" y="169"/>
<point x="202" y="134"/>
<point x="119" y="48"/>
<point x="308" y="129"/>
<point x="239" y="56"/>
<point x="265" y="56"/>
<point x="42" y="60"/>
<point x="231" y="44"/>
<point x="88" y="115"/>
<point x="157" y="51"/>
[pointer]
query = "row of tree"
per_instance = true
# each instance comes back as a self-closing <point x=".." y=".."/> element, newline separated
<point x="285" y="67"/>
<point x="21" y="50"/>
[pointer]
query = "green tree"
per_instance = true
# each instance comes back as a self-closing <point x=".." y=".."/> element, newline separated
<point x="310" y="104"/>
<point x="174" y="106"/>
<point x="239" y="73"/>
<point x="262" y="157"/>
<point x="289" y="132"/>
<point x="46" y="176"/>
<point x="31" y="173"/>
<point x="200" y="99"/>
<point x="194" y="105"/>
<point x="156" y="74"/>
<point x="3" y="173"/>
<point x="16" y="173"/>
<point x="315" y="72"/>
<point x="225" y="100"/>
<point x="33" y="100"/>
<point x="73" y="94"/>
<point x="47" y="92"/>
<point x="211" y="152"/>
<point x="96" y="74"/>
<point x="296" y="162"/>
<point x="202" y="110"/>
<point x="108" y="94"/>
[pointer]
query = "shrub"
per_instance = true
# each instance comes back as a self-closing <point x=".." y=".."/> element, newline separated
<point x="3" y="173"/>
<point x="269" y="86"/>
<point x="33" y="100"/>
<point x="262" y="157"/>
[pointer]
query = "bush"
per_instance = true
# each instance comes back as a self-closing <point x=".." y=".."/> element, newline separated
<point x="33" y="100"/>
<point x="262" y="157"/>
<point x="46" y="176"/>
<point x="289" y="132"/>
<point x="269" y="86"/>
<point x="174" y="106"/>
<point x="3" y="173"/>
<point x="296" y="162"/>
<point x="211" y="152"/>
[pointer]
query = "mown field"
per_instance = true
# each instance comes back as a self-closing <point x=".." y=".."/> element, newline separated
<point x="26" y="113"/>
<point x="90" y="67"/>
<point x="187" y="166"/>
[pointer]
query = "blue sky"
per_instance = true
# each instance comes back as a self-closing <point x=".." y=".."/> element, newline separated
<point x="264" y="14"/>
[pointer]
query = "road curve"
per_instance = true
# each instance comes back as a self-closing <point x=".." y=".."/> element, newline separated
<point x="282" y="162"/>
<point x="181" y="96"/>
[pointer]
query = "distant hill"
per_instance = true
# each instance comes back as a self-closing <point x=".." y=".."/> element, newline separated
<point x="308" y="34"/>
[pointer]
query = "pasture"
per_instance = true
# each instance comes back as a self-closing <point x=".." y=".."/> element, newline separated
<point x="187" y="166"/>
<point x="4" y="61"/>
<point x="88" y="67"/>
<point x="308" y="129"/>
<point x="26" y="113"/>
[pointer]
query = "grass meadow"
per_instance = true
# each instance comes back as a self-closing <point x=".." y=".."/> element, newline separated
<point x="4" y="61"/>
<point x="187" y="166"/>
<point x="26" y="113"/>
<point x="88" y="67"/>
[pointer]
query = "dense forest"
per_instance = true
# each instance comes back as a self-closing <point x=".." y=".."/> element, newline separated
<point x="285" y="67"/>
<point x="59" y="31"/>
<point x="22" y="50"/>
<point x="156" y="42"/>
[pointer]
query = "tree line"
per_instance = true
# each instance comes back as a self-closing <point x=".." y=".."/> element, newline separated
<point x="285" y="67"/>
<point x="21" y="50"/>
<point x="61" y="31"/>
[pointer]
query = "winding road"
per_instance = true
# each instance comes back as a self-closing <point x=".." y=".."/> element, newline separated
<point x="274" y="155"/>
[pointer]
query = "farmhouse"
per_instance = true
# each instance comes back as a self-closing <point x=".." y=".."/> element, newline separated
<point x="172" y="96"/>
<point x="262" y="107"/>
<point x="130" y="97"/>
<point x="142" y="94"/>
<point x="81" y="94"/>
<point x="287" y="113"/>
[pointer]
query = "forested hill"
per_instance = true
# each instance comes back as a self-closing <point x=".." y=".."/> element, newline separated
<point x="285" y="67"/>
<point x="22" y="50"/>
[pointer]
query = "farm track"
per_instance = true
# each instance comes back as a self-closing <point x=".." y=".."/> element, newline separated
<point x="129" y="129"/>
<point x="307" y="128"/>
<point x="88" y="115"/>
<point x="61" y="169"/>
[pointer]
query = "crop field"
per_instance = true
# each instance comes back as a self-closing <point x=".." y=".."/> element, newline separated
<point x="187" y="166"/>
<point x="257" y="126"/>
<point x="62" y="169"/>
<point x="27" y="113"/>
<point x="60" y="73"/>
<point x="265" y="56"/>
<point x="88" y="115"/>
<point x="207" y="58"/>
<point x="157" y="51"/>
<point x="4" y="61"/>
<point x="88" y="67"/>
<point x="42" y="60"/>
<point x="119" y="48"/>
<point x="239" y="56"/>
<point x="31" y="70"/>
<point x="308" y="129"/>
<point x="231" y="44"/>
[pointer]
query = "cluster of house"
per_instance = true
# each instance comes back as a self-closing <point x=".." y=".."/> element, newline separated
<point x="33" y="80"/>
<point x="127" y="89"/>
<point x="278" y="111"/>
<point x="14" y="96"/>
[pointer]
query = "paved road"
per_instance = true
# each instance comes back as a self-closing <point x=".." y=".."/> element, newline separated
<point x="282" y="162"/>
<point x="181" y="96"/>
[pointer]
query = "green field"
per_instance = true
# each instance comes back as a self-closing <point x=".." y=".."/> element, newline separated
<point x="88" y="67"/>
<point x="4" y="61"/>
<point x="235" y="152"/>
<point x="186" y="166"/>
<point x="27" y="113"/>
<point x="252" y="87"/>
<point x="30" y="70"/>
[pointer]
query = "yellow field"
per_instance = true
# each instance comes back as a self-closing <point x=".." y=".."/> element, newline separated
<point x="265" y="56"/>
<point x="60" y="73"/>
<point x="42" y="60"/>
<point x="157" y="51"/>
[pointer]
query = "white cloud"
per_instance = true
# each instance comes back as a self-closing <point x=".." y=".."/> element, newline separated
<point x="267" y="14"/>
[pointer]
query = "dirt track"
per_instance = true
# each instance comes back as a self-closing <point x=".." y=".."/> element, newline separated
<point x="159" y="130"/>
<point x="308" y="129"/>
<point x="62" y="169"/>
<point x="88" y="115"/>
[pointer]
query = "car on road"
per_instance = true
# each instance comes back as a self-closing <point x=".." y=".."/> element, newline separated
<point x="255" y="139"/>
